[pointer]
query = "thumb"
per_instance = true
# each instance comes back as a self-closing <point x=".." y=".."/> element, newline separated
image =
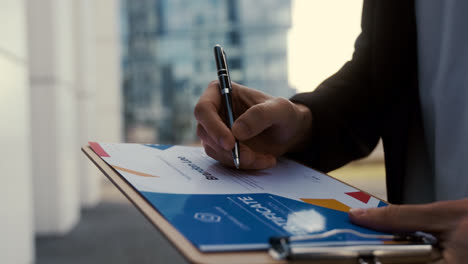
<point x="260" y="117"/>
<point x="399" y="218"/>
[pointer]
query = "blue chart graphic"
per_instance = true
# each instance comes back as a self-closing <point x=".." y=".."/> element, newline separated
<point x="158" y="146"/>
<point x="246" y="221"/>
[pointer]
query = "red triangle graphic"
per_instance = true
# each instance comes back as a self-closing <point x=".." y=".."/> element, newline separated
<point x="98" y="149"/>
<point x="363" y="197"/>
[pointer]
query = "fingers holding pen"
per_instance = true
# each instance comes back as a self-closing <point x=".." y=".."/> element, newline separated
<point x="249" y="159"/>
<point x="205" y="138"/>
<point x="218" y="140"/>
<point x="262" y="116"/>
<point x="207" y="114"/>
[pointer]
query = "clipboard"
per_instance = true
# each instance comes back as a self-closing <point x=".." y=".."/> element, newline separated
<point x="285" y="251"/>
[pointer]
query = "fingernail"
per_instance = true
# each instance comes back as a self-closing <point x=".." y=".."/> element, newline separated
<point x="357" y="211"/>
<point x="242" y="130"/>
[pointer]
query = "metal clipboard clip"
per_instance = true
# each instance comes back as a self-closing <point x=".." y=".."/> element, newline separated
<point x="415" y="247"/>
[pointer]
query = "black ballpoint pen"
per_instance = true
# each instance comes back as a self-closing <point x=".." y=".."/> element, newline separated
<point x="225" y="88"/>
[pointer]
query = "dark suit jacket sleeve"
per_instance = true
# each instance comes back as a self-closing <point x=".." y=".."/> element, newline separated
<point x="345" y="108"/>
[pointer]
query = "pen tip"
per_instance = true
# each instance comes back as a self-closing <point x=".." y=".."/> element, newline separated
<point x="237" y="163"/>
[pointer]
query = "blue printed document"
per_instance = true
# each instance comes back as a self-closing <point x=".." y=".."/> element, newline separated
<point x="221" y="209"/>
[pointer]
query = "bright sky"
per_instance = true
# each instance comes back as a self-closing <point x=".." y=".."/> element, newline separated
<point x="321" y="39"/>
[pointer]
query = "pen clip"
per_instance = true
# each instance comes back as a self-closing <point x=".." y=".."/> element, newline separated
<point x="227" y="70"/>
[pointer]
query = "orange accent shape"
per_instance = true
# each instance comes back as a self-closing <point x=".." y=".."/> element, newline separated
<point x="134" y="172"/>
<point x="328" y="203"/>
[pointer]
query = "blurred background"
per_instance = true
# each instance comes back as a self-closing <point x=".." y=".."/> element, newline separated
<point x="73" y="71"/>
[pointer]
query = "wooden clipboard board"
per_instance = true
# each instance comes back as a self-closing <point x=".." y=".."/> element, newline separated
<point x="185" y="247"/>
<point x="190" y="252"/>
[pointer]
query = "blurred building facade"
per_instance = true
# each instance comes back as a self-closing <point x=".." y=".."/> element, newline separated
<point x="168" y="58"/>
<point x="60" y="87"/>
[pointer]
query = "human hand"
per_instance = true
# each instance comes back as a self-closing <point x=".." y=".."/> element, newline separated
<point x="447" y="220"/>
<point x="266" y="126"/>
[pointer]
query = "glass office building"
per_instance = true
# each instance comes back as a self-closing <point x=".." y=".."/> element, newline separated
<point x="168" y="58"/>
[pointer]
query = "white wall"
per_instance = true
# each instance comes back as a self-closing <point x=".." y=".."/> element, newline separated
<point x="85" y="66"/>
<point x="16" y="226"/>
<point x="53" y="57"/>
<point x="108" y="85"/>
<point x="76" y="97"/>
<point x="54" y="118"/>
